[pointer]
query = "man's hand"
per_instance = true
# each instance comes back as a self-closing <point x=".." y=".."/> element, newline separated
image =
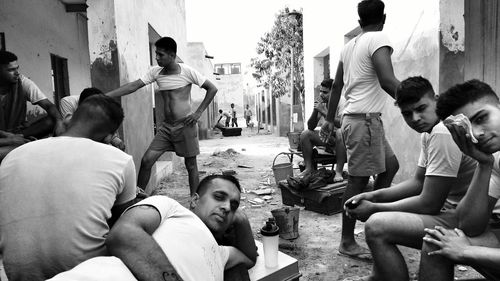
<point x="363" y="210"/>
<point x="452" y="242"/>
<point x="329" y="125"/>
<point x="464" y="142"/>
<point x="356" y="199"/>
<point x="118" y="143"/>
<point x="320" y="107"/>
<point x="59" y="128"/>
<point x="18" y="139"/>
<point x="192" y="119"/>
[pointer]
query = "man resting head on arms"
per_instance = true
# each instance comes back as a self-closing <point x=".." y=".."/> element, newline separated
<point x="158" y="239"/>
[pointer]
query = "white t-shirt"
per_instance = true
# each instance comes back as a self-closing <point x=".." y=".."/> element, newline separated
<point x="34" y="94"/>
<point x="187" y="76"/>
<point x="56" y="196"/>
<point x="183" y="237"/>
<point x="494" y="189"/>
<point x="362" y="89"/>
<point x="440" y="156"/>
<point x="68" y="105"/>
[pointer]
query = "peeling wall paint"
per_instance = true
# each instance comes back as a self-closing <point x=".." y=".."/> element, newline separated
<point x="452" y="25"/>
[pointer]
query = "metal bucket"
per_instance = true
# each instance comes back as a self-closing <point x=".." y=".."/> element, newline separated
<point x="283" y="170"/>
<point x="287" y="219"/>
<point x="293" y="139"/>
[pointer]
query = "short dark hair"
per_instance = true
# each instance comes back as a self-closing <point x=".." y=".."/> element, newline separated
<point x="461" y="95"/>
<point x="232" y="104"/>
<point x="327" y="83"/>
<point x="412" y="89"/>
<point x="88" y="92"/>
<point x="220" y="110"/>
<point x="205" y="182"/>
<point x="103" y="112"/>
<point x="370" y="12"/>
<point x="7" y="57"/>
<point x="167" y="43"/>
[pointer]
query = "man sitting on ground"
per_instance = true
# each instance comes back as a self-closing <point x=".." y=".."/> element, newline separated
<point x="398" y="215"/>
<point x="472" y="242"/>
<point x="69" y="104"/>
<point x="326" y="138"/>
<point x="60" y="195"/>
<point x="15" y="91"/>
<point x="158" y="239"/>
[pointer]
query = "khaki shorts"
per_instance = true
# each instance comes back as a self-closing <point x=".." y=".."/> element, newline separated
<point x="366" y="145"/>
<point x="177" y="137"/>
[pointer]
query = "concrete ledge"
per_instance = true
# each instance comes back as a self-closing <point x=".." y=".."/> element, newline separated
<point x="160" y="170"/>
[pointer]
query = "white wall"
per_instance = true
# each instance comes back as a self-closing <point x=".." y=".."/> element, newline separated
<point x="35" y="29"/>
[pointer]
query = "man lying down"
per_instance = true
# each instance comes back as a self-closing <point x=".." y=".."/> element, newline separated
<point x="158" y="239"/>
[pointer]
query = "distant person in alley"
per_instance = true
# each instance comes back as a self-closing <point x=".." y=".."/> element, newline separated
<point x="179" y="130"/>
<point x="234" y="119"/>
<point x="222" y="115"/>
<point x="248" y="115"/>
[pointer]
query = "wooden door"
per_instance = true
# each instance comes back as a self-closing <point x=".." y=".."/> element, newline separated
<point x="482" y="42"/>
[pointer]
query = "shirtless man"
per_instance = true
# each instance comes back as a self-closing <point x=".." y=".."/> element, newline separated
<point x="179" y="130"/>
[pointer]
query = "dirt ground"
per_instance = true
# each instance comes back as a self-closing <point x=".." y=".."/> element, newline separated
<point x="319" y="235"/>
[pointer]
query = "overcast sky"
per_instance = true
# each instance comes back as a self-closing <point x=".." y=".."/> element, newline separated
<point x="230" y="29"/>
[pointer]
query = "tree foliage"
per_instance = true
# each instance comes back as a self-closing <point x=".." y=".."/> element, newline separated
<point x="273" y="63"/>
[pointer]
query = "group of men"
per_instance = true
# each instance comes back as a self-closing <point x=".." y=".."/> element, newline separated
<point x="230" y="118"/>
<point x="67" y="202"/>
<point x="61" y="196"/>
<point x="445" y="207"/>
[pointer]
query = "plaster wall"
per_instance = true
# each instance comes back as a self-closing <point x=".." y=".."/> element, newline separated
<point x="452" y="43"/>
<point x="51" y="31"/>
<point x="196" y="59"/>
<point x="231" y="91"/>
<point x="414" y="34"/>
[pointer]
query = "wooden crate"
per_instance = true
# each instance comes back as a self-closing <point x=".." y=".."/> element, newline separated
<point x="326" y="201"/>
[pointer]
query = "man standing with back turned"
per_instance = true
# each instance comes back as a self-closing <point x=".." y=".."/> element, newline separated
<point x="179" y="131"/>
<point x="364" y="72"/>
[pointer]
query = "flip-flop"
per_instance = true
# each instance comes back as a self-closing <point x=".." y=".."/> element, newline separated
<point x="364" y="256"/>
<point x="338" y="179"/>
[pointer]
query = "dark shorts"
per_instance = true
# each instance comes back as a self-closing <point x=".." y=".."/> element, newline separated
<point x="177" y="137"/>
<point x="366" y="145"/>
<point x="446" y="218"/>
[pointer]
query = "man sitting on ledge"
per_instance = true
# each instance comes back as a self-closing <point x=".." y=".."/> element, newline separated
<point x="158" y="239"/>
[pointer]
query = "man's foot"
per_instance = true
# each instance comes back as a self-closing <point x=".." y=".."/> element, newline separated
<point x="356" y="252"/>
<point x="304" y="173"/>
<point x="338" y="177"/>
